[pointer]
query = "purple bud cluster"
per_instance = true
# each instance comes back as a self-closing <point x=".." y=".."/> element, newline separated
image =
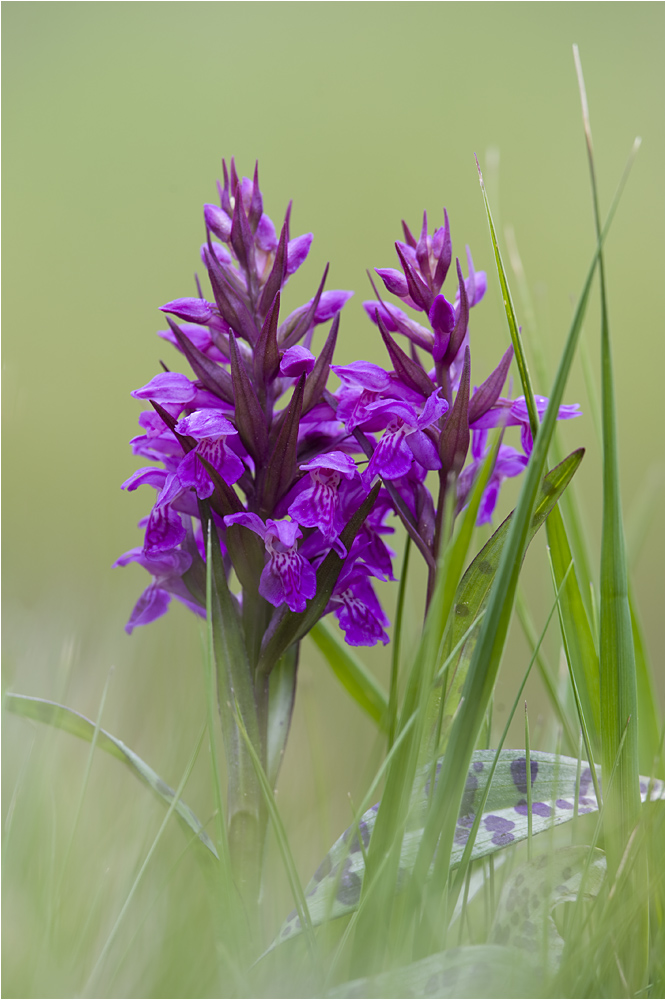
<point x="255" y="441"/>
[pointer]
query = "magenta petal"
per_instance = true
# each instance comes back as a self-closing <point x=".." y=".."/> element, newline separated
<point x="297" y="251"/>
<point x="488" y="502"/>
<point x="247" y="520"/>
<point x="363" y="373"/>
<point x="220" y="253"/>
<point x="271" y="588"/>
<point x="394" y="280"/>
<point x="442" y="315"/>
<point x="435" y="407"/>
<point x="191" y="310"/>
<point x="286" y="531"/>
<point x="152" y="604"/>
<point x="205" y="424"/>
<point x="265" y="236"/>
<point x="164" y="530"/>
<point x="192" y="473"/>
<point x="297" y="360"/>
<point x="331" y="303"/>
<point x="391" y="459"/>
<point x="167" y="387"/>
<point x="218" y="222"/>
<point x="424" y="450"/>
<point x="337" y="460"/>
<point x="148" y="476"/>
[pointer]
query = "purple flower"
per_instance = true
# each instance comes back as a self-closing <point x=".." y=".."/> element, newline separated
<point x="513" y="413"/>
<point x="210" y="429"/>
<point x="364" y="384"/>
<point x="356" y="607"/>
<point x="166" y="569"/>
<point x="297" y="251"/>
<point x="318" y="506"/>
<point x="296" y="360"/>
<point x="404" y="438"/>
<point x="287" y="577"/>
<point x="170" y="389"/>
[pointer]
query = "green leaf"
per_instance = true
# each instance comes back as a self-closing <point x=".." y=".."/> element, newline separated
<point x="335" y="888"/>
<point x="352" y="674"/>
<point x="52" y="714"/>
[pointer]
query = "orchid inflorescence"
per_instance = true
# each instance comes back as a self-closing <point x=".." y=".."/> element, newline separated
<point x="299" y="481"/>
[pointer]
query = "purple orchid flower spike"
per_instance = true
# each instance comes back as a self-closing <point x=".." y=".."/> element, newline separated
<point x="439" y="356"/>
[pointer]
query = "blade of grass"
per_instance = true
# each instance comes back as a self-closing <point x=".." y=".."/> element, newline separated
<point x="582" y="721"/>
<point x="72" y="722"/>
<point x="617" y="658"/>
<point x="576" y="530"/>
<point x="649" y="729"/>
<point x="474" y="588"/>
<point x="528" y="785"/>
<point x="573" y="615"/>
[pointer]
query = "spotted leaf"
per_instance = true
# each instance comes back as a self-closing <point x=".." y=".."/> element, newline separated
<point x="335" y="888"/>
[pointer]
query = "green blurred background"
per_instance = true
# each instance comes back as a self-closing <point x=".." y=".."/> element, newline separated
<point x="116" y="116"/>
